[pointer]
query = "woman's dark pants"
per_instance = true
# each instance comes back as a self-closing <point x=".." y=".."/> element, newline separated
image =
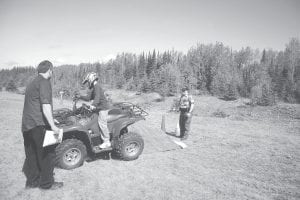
<point x="184" y="124"/>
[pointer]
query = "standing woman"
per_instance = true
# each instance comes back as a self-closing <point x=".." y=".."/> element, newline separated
<point x="186" y="106"/>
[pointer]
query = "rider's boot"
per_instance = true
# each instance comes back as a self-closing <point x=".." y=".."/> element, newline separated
<point x="105" y="145"/>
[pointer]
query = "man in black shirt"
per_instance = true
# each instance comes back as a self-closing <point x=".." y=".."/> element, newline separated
<point x="99" y="102"/>
<point x="37" y="117"/>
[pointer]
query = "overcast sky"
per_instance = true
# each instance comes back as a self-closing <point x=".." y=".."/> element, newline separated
<point x="76" y="31"/>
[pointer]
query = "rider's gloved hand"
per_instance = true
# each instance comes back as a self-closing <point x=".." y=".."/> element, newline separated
<point x="76" y="96"/>
<point x="92" y="107"/>
<point x="188" y="114"/>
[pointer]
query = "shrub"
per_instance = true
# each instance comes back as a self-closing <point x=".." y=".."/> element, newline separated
<point x="262" y="95"/>
<point x="220" y="114"/>
<point x="145" y="86"/>
<point x="68" y="90"/>
<point x="11" y="86"/>
<point x="297" y="93"/>
<point x="175" y="105"/>
<point x="131" y="85"/>
<point x="230" y="93"/>
<point x="120" y="82"/>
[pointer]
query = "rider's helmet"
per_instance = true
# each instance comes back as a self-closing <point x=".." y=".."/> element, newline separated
<point x="90" y="78"/>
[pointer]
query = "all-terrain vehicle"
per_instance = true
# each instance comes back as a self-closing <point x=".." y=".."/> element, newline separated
<point x="81" y="137"/>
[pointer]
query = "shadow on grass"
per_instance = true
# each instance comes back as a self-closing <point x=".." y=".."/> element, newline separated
<point x="100" y="156"/>
<point x="173" y="134"/>
<point x="103" y="156"/>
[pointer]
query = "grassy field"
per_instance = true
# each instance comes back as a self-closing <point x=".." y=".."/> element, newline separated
<point x="234" y="152"/>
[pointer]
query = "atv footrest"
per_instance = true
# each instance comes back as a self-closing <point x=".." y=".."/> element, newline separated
<point x="97" y="149"/>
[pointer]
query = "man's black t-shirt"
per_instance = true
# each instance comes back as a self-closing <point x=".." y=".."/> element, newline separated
<point x="38" y="92"/>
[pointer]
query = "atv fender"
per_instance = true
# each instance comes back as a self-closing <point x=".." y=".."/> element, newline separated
<point x="115" y="128"/>
<point x="80" y="134"/>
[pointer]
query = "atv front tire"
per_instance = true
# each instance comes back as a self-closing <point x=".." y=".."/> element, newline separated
<point x="129" y="146"/>
<point x="70" y="154"/>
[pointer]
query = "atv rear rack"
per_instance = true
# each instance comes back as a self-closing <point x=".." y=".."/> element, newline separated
<point x="133" y="109"/>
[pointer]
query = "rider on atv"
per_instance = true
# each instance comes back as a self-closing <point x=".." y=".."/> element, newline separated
<point x="100" y="103"/>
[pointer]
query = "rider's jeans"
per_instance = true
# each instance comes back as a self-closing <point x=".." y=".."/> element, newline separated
<point x="102" y="121"/>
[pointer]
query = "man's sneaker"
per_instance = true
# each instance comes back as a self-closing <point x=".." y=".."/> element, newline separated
<point x="105" y="145"/>
<point x="54" y="186"/>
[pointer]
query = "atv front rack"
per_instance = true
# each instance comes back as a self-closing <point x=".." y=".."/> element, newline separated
<point x="133" y="109"/>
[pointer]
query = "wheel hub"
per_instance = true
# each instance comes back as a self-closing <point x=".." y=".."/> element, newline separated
<point x="72" y="156"/>
<point x="132" y="148"/>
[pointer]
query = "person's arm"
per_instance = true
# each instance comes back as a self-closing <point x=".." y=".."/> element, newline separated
<point x="192" y="102"/>
<point x="46" y="101"/>
<point x="191" y="108"/>
<point x="47" y="111"/>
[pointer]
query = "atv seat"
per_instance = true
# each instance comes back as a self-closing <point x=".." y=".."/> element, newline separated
<point x="115" y="114"/>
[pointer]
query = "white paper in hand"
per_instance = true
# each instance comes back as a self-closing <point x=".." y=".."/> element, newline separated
<point x="51" y="139"/>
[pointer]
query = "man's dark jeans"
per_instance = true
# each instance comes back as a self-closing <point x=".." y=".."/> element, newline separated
<point x="184" y="124"/>
<point x="38" y="166"/>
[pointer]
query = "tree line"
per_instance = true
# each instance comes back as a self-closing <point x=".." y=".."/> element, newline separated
<point x="264" y="76"/>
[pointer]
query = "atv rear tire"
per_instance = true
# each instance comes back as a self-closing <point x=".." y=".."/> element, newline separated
<point x="129" y="146"/>
<point x="70" y="154"/>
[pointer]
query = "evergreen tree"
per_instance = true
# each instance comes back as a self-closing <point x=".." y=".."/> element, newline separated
<point x="151" y="64"/>
<point x="231" y="92"/>
<point x="11" y="86"/>
<point x="142" y="66"/>
<point x="263" y="58"/>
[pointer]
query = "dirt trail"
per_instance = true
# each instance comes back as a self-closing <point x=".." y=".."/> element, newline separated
<point x="225" y="159"/>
